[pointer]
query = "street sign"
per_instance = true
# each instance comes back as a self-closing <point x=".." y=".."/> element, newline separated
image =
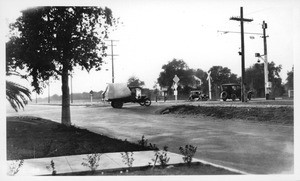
<point x="164" y="89"/>
<point x="208" y="75"/>
<point x="176" y="79"/>
<point x="175" y="93"/>
<point x="209" y="83"/>
<point x="175" y="86"/>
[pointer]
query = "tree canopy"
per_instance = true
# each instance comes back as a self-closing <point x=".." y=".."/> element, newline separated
<point x="255" y="79"/>
<point x="172" y="68"/>
<point x="290" y="79"/>
<point x="50" y="41"/>
<point x="189" y="78"/>
<point x="135" y="82"/>
<point x="221" y="75"/>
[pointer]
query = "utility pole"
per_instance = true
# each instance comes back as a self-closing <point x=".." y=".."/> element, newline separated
<point x="112" y="59"/>
<point x="264" y="27"/>
<point x="242" y="20"/>
<point x="265" y="59"/>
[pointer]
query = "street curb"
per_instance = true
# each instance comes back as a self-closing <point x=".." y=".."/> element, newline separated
<point x="224" y="167"/>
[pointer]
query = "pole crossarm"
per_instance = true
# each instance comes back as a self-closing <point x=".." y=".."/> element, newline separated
<point x="241" y="19"/>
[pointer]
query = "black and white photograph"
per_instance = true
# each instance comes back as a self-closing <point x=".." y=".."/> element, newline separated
<point x="150" y="89"/>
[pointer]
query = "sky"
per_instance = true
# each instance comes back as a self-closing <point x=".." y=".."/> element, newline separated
<point x="155" y="32"/>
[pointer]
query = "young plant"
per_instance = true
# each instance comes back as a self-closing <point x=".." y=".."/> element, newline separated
<point x="92" y="161"/>
<point x="51" y="167"/>
<point x="161" y="157"/>
<point x="14" y="167"/>
<point x="153" y="146"/>
<point x="143" y="141"/>
<point x="188" y="153"/>
<point x="127" y="159"/>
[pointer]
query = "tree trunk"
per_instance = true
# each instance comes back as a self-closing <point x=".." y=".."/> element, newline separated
<point x="65" y="112"/>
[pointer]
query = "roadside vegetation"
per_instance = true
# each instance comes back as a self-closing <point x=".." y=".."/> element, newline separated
<point x="280" y="115"/>
<point x="176" y="169"/>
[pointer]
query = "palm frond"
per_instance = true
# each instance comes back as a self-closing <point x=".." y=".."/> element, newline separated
<point x="17" y="95"/>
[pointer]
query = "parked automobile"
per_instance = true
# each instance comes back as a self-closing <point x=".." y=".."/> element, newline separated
<point x="120" y="93"/>
<point x="197" y="95"/>
<point x="233" y="91"/>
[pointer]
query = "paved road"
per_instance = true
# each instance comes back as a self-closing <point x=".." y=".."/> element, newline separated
<point x="257" y="148"/>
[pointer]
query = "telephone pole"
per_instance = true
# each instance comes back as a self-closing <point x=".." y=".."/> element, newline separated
<point x="112" y="59"/>
<point x="242" y="20"/>
<point x="265" y="59"/>
<point x="264" y="27"/>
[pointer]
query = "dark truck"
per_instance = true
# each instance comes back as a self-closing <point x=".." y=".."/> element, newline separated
<point x="233" y="91"/>
<point x="120" y="93"/>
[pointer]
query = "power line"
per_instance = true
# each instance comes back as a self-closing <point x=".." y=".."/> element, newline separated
<point x="225" y="32"/>
<point x="257" y="11"/>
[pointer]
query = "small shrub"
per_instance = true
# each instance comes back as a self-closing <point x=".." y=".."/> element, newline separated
<point x="143" y="141"/>
<point x="92" y="161"/>
<point x="127" y="159"/>
<point x="51" y="167"/>
<point x="161" y="157"/>
<point x="14" y="167"/>
<point x="153" y="147"/>
<point x="188" y="153"/>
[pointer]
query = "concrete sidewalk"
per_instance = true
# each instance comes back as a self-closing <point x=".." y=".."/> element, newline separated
<point x="108" y="161"/>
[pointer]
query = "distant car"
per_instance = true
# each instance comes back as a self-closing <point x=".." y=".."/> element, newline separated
<point x="197" y="95"/>
<point x="233" y="91"/>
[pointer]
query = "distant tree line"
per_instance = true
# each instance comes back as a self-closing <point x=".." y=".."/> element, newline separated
<point x="189" y="78"/>
<point x="75" y="96"/>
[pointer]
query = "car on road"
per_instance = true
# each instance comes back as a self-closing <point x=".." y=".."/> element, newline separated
<point x="233" y="91"/>
<point x="197" y="95"/>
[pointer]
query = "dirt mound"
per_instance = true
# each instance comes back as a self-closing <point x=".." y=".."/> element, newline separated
<point x="281" y="115"/>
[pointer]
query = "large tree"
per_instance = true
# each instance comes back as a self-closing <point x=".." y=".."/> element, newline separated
<point x="221" y="75"/>
<point x="51" y="41"/>
<point x="254" y="79"/>
<point x="134" y="81"/>
<point x="290" y="80"/>
<point x="172" y="68"/>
